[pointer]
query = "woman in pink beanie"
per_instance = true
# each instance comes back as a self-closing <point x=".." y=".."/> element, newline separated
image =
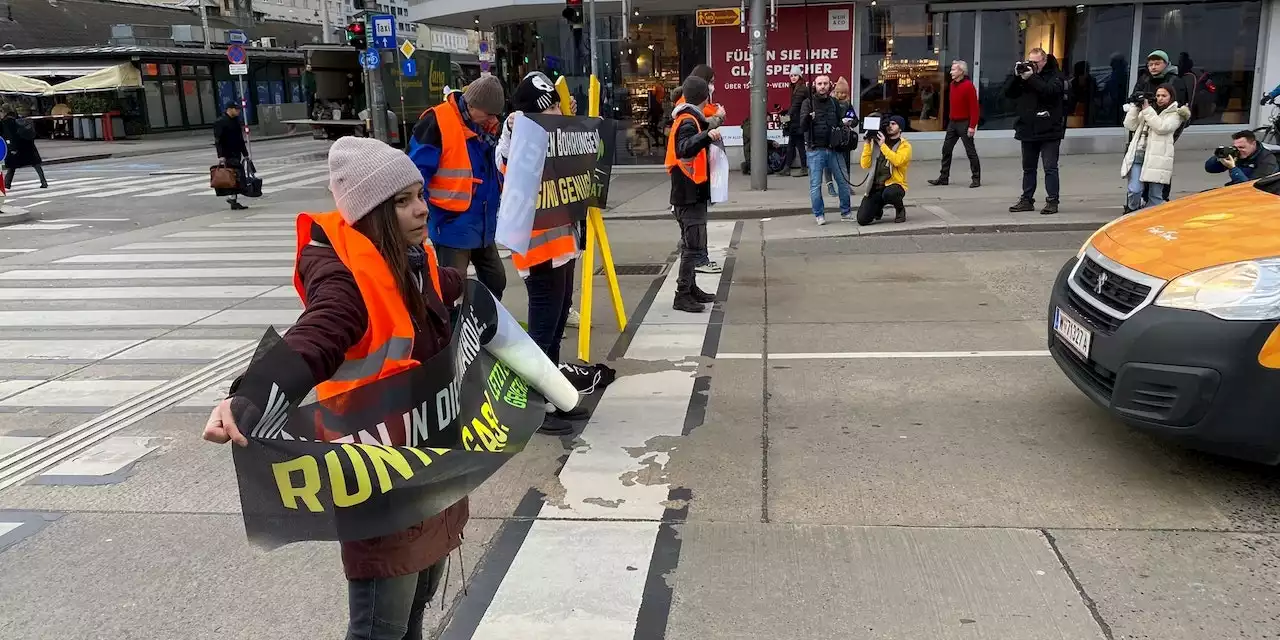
<point x="375" y="237"/>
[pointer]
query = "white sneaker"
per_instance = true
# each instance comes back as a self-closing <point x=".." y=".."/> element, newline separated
<point x="710" y="267"/>
<point x="574" y="318"/>
<point x="821" y="220"/>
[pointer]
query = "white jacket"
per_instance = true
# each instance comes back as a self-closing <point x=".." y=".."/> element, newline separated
<point x="1158" y="128"/>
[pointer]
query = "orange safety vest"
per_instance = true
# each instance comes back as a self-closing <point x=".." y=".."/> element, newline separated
<point x="453" y="183"/>
<point x="545" y="245"/>
<point x="708" y="109"/>
<point x="387" y="345"/>
<point x="696" y="169"/>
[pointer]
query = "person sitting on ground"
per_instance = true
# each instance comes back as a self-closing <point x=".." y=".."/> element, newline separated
<point x="889" y="179"/>
<point x="1148" y="163"/>
<point x="688" y="162"/>
<point x="1249" y="161"/>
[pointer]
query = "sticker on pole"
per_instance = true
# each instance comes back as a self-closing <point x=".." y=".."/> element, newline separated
<point x="384" y="32"/>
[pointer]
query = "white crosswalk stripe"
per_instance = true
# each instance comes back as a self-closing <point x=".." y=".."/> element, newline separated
<point x="185" y="181"/>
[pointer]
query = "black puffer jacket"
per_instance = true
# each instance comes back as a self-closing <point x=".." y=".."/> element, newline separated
<point x="690" y="139"/>
<point x="1039" y="102"/>
<point x="827" y="115"/>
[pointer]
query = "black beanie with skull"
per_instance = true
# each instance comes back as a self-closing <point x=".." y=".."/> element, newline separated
<point x="535" y="94"/>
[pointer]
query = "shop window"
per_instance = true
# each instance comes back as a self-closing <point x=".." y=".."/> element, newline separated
<point x="1217" y="44"/>
<point x="906" y="55"/>
<point x="155" y="104"/>
<point x="1091" y="45"/>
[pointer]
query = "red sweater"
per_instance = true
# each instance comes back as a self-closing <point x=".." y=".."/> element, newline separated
<point x="964" y="102"/>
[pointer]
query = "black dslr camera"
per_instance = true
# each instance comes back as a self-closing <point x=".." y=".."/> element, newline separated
<point x="1227" y="151"/>
<point x="1140" y="97"/>
<point x="1023" y="66"/>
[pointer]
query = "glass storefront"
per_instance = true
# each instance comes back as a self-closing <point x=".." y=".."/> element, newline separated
<point x="636" y="76"/>
<point x="903" y="56"/>
<point x="906" y="53"/>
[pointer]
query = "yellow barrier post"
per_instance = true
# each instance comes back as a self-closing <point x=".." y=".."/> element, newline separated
<point x="595" y="233"/>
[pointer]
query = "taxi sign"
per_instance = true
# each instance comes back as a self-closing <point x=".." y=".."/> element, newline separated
<point x="407" y="49"/>
<point x="728" y="17"/>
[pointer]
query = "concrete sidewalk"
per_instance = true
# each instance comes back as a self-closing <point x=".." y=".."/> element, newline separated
<point x="1092" y="193"/>
<point x="68" y="151"/>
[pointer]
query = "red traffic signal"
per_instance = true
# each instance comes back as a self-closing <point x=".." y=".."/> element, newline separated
<point x="356" y="36"/>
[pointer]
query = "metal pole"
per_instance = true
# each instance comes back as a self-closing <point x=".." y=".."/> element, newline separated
<point x="373" y="80"/>
<point x="759" y="94"/>
<point x="327" y="35"/>
<point x="204" y="24"/>
<point x="591" y="37"/>
<point x="244" y="115"/>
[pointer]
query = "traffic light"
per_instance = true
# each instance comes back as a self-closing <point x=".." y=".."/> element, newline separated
<point x="573" y="12"/>
<point x="356" y="36"/>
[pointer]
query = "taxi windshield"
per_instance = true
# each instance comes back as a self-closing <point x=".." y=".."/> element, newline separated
<point x="1270" y="184"/>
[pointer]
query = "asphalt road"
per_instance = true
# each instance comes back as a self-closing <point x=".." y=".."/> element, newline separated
<point x="786" y="467"/>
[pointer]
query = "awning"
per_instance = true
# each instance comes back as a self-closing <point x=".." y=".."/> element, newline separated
<point x="50" y="69"/>
<point x="123" y="75"/>
<point x="11" y="83"/>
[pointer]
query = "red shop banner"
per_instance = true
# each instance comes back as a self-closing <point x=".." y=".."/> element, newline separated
<point x="819" y="39"/>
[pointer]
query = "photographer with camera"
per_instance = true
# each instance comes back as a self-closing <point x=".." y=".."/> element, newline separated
<point x="1148" y="162"/>
<point x="826" y="136"/>
<point x="1038" y="94"/>
<point x="1244" y="160"/>
<point x="892" y="158"/>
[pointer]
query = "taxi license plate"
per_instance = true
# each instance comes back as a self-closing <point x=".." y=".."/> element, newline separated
<point x="1072" y="333"/>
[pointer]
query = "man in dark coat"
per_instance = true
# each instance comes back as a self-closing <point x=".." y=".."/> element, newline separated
<point x="20" y="137"/>
<point x="1039" y="96"/>
<point x="795" y="132"/>
<point x="228" y="137"/>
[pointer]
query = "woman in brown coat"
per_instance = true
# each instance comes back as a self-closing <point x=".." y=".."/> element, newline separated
<point x="379" y="196"/>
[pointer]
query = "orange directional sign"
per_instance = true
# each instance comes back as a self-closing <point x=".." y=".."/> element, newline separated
<point x="730" y="17"/>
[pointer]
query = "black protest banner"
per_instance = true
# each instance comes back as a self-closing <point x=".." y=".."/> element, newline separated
<point x="464" y="413"/>
<point x="577" y="170"/>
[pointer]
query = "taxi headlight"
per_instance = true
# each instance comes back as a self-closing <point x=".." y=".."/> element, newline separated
<point x="1248" y="290"/>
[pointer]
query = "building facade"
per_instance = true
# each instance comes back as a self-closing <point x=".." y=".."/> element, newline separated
<point x="895" y="55"/>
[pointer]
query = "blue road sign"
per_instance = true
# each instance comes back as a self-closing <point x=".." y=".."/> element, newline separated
<point x="384" y="32"/>
<point x="371" y="59"/>
<point x="236" y="36"/>
<point x="409" y="67"/>
<point x="4" y="150"/>
<point x="235" y="54"/>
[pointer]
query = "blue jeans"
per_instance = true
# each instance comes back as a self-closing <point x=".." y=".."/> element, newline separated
<point x="1154" y="190"/>
<point x="391" y="608"/>
<point x="826" y="159"/>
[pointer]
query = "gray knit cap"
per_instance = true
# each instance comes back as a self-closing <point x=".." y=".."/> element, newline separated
<point x="485" y="93"/>
<point x="364" y="173"/>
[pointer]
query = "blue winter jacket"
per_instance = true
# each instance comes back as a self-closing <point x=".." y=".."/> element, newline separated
<point x="473" y="228"/>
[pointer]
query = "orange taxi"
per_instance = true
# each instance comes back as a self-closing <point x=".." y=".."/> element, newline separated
<point x="1168" y="318"/>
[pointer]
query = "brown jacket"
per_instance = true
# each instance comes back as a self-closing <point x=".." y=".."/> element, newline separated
<point x="336" y="319"/>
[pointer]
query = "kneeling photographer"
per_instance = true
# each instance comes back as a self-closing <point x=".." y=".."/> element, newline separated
<point x="1148" y="162"/>
<point x="1244" y="160"/>
<point x="892" y="158"/>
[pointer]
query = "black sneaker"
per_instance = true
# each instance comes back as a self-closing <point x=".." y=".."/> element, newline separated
<point x="577" y="413"/>
<point x="940" y="182"/>
<point x="687" y="304"/>
<point x="1023" y="205"/>
<point x="553" y="426"/>
<point x="702" y="297"/>
<point x="901" y="217"/>
<point x="1049" y="209"/>
<point x="236" y="206"/>
<point x="977" y="182"/>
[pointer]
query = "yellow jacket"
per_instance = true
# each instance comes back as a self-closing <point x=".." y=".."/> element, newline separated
<point x="899" y="159"/>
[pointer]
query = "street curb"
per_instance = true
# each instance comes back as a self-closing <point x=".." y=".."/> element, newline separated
<point x="149" y="152"/>
<point x="880" y="228"/>
<point x="10" y="214"/>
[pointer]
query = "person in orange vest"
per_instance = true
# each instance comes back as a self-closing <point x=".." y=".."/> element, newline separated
<point x="453" y="146"/>
<point x="691" y="188"/>
<point x="375" y="304"/>
<point x="715" y="114"/>
<point x="547" y="266"/>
